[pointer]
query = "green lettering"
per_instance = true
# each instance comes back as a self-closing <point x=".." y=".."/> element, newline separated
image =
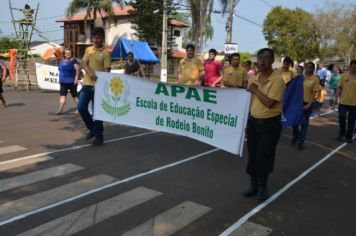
<point x="161" y="88"/>
<point x="209" y="96"/>
<point x="177" y="89"/>
<point x="193" y="93"/>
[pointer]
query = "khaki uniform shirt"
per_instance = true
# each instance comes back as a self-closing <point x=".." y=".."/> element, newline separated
<point x="99" y="59"/>
<point x="235" y="77"/>
<point x="310" y="86"/>
<point x="190" y="70"/>
<point x="273" y="88"/>
<point x="348" y="85"/>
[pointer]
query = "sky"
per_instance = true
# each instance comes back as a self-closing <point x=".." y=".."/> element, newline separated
<point x="247" y="35"/>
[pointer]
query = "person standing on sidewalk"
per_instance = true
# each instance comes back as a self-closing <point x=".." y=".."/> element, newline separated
<point x="346" y="91"/>
<point x="311" y="86"/>
<point x="96" y="58"/>
<point x="264" y="125"/>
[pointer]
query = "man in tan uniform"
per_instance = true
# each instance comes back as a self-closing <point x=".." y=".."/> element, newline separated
<point x="191" y="69"/>
<point x="264" y="125"/>
<point x="346" y="91"/>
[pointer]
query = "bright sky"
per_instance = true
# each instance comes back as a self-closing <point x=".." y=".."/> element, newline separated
<point x="247" y="35"/>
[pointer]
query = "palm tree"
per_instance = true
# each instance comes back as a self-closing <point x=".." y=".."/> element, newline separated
<point x="93" y="8"/>
<point x="201" y="11"/>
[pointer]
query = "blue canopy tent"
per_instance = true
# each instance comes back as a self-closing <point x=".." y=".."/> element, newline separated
<point x="142" y="52"/>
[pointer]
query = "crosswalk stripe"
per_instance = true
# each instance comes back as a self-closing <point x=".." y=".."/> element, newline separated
<point x="10" y="149"/>
<point x="37" y="176"/>
<point x="86" y="217"/>
<point x="11" y="165"/>
<point x="170" y="221"/>
<point x="29" y="203"/>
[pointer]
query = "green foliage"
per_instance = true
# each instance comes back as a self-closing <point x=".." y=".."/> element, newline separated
<point x="147" y="19"/>
<point x="336" y="23"/>
<point x="8" y="43"/>
<point x="181" y="16"/>
<point x="244" y="56"/>
<point x="292" y="33"/>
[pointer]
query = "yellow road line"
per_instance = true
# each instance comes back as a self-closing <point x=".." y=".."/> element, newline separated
<point x="326" y="148"/>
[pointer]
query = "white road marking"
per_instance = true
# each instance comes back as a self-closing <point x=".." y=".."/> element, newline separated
<point x="11" y="149"/>
<point x="36" y="176"/>
<point x="254" y="211"/>
<point x="29" y="161"/>
<point x="170" y="221"/>
<point x="74" y="148"/>
<point x="86" y="217"/>
<point x="16" y="218"/>
<point x="249" y="228"/>
<point x="20" y="206"/>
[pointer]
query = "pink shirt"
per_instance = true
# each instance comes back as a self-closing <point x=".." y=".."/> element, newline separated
<point x="212" y="72"/>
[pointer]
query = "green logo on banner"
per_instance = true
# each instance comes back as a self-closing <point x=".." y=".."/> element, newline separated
<point x="116" y="92"/>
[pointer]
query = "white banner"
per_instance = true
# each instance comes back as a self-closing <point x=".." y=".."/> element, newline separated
<point x="211" y="115"/>
<point x="48" y="77"/>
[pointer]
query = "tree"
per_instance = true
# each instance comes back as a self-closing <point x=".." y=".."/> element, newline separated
<point x="93" y="8"/>
<point x="337" y="30"/>
<point x="201" y="29"/>
<point x="292" y="33"/>
<point x="8" y="43"/>
<point x="146" y="19"/>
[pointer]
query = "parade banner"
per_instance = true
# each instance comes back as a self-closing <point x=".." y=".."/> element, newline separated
<point x="211" y="115"/>
<point x="48" y="77"/>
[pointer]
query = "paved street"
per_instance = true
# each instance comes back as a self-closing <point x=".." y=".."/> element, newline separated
<point x="142" y="182"/>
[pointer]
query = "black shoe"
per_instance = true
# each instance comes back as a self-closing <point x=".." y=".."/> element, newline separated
<point x="89" y="136"/>
<point x="349" y="140"/>
<point x="252" y="191"/>
<point x="262" y="194"/>
<point x="340" y="138"/>
<point x="294" y="141"/>
<point x="97" y="142"/>
<point x="300" y="146"/>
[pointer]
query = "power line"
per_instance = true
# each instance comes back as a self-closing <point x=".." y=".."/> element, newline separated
<point x="49" y="17"/>
<point x="265" y="2"/>
<point x="248" y="20"/>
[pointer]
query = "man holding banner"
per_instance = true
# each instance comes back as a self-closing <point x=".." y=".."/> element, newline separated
<point x="190" y="69"/>
<point x="264" y="125"/>
<point x="96" y="58"/>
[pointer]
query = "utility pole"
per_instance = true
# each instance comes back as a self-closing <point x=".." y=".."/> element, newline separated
<point x="164" y="43"/>
<point x="229" y="21"/>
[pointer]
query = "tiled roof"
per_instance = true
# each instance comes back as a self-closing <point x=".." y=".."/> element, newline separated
<point x="118" y="11"/>
<point x="178" y="23"/>
<point x="178" y="54"/>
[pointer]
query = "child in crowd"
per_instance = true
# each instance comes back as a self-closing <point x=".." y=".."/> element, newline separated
<point x="320" y="98"/>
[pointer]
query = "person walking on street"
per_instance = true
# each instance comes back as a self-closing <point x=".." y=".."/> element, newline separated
<point x="286" y="71"/>
<point x="235" y="76"/>
<point x="311" y="86"/>
<point x="264" y="125"/>
<point x="3" y="75"/>
<point x="190" y="69"/>
<point x="96" y="58"/>
<point x="346" y="91"/>
<point x="132" y="67"/>
<point x="68" y="79"/>
<point x="212" y="70"/>
<point x="333" y="87"/>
